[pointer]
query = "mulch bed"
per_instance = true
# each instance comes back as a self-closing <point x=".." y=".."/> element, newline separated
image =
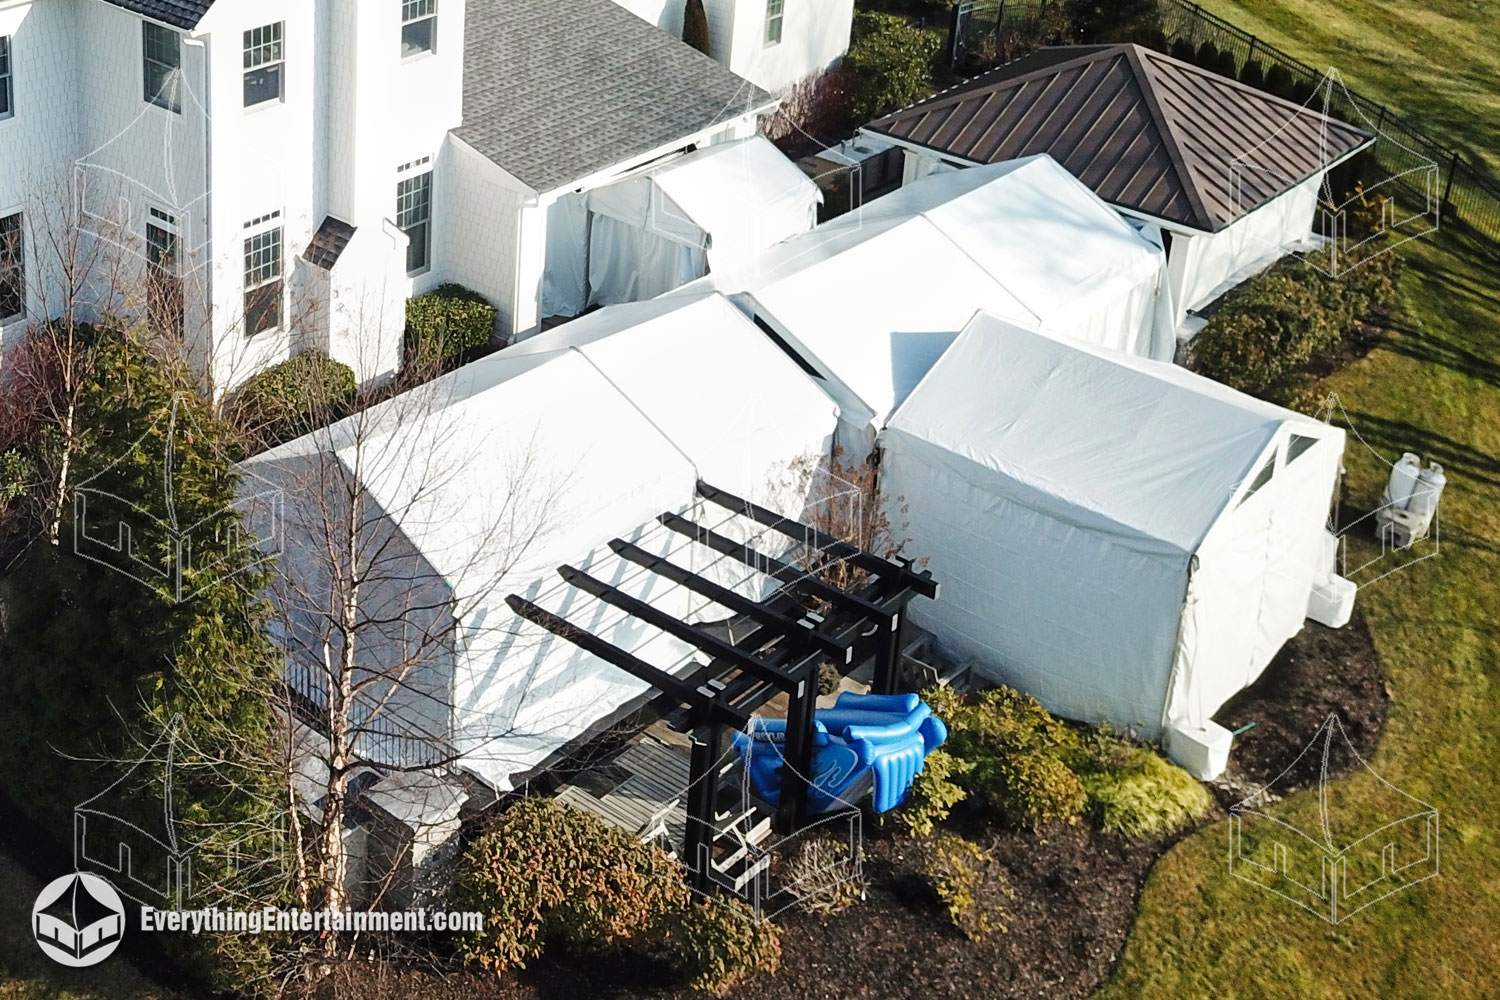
<point x="1320" y="672"/>
<point x="1075" y="889"/>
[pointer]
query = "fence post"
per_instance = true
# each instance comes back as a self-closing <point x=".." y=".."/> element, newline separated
<point x="1380" y="126"/>
<point x="954" y="23"/>
<point x="1254" y="41"/>
<point x="1448" y="188"/>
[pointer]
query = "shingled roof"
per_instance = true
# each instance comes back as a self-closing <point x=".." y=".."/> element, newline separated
<point x="555" y="91"/>
<point x="1147" y="132"/>
<point x="184" y="14"/>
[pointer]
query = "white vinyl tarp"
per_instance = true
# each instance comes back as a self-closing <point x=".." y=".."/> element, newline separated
<point x="711" y="210"/>
<point x="871" y="299"/>
<point x="1120" y="537"/>
<point x="539" y="455"/>
<point x="1206" y="265"/>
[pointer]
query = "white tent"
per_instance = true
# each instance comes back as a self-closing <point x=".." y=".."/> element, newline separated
<point x="488" y="479"/>
<point x="711" y="210"/>
<point x="1119" y="537"/>
<point x="870" y="300"/>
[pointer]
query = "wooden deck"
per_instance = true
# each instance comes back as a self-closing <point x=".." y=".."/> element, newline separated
<point x="632" y="790"/>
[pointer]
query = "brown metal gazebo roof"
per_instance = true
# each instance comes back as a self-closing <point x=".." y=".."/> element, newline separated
<point x="1147" y="132"/>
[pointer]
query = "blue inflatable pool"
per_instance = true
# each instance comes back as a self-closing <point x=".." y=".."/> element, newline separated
<point x="866" y="743"/>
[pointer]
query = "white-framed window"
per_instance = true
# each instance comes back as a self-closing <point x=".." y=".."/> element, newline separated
<point x="7" y="85"/>
<point x="775" y="12"/>
<point x="12" y="266"/>
<point x="414" y="218"/>
<point x="264" y="289"/>
<point x="418" y="27"/>
<point x="265" y="62"/>
<point x="163" y="272"/>
<point x="161" y="56"/>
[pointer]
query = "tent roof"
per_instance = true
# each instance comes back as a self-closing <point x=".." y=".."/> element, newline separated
<point x="744" y="195"/>
<point x="1146" y="131"/>
<point x="1094" y="437"/>
<point x="538" y="455"/>
<point x="877" y="295"/>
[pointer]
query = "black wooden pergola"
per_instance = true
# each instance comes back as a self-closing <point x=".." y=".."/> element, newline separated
<point x="781" y="653"/>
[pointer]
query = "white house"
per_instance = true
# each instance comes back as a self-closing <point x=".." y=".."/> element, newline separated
<point x="774" y="44"/>
<point x="1227" y="177"/>
<point x="283" y="174"/>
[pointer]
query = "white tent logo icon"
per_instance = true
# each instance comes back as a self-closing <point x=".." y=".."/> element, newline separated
<point x="1362" y="840"/>
<point x="78" y="920"/>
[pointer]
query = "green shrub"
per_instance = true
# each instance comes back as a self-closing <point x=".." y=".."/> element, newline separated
<point x="1280" y="82"/>
<point x="1207" y="55"/>
<point x="968" y="883"/>
<point x="891" y="62"/>
<point x="1259" y="340"/>
<point x="1225" y="64"/>
<point x="1183" y="49"/>
<point x="1114" y="20"/>
<point x="714" y="945"/>
<point x="293" y="397"/>
<point x="1253" y="75"/>
<point x="17" y="475"/>
<point x="544" y="873"/>
<point x="934" y="793"/>
<point x="1132" y="791"/>
<point x="445" y="324"/>
<point x="1017" y="753"/>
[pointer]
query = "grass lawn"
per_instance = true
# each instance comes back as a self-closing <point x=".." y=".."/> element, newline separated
<point x="1433" y="60"/>
<point x="27" y="974"/>
<point x="1433" y="386"/>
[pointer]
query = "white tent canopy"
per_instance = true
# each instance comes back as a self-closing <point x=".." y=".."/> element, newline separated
<point x="489" y="478"/>
<point x="870" y="300"/>
<point x="1120" y="537"/>
<point x="710" y="210"/>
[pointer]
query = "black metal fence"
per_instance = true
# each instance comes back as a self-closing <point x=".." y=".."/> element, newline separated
<point x="986" y="33"/>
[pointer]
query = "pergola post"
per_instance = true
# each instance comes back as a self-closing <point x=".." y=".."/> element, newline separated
<point x="889" y="644"/>
<point x="703" y="785"/>
<point x="797" y="751"/>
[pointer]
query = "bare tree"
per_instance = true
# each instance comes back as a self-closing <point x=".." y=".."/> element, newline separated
<point x="405" y="521"/>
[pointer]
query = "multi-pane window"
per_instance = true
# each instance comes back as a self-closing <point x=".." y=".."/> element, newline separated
<point x="414" y="218"/>
<point x="264" y="61"/>
<point x="163" y="275"/>
<point x="7" y="89"/>
<point x="12" y="267"/>
<point x="418" y="27"/>
<point x="263" y="288"/>
<point x="162" y="50"/>
<point x="775" y="10"/>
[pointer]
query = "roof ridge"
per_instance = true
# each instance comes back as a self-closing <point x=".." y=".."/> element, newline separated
<point x="1146" y="80"/>
<point x="963" y="88"/>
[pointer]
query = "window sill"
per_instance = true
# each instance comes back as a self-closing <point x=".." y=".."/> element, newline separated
<point x="417" y="57"/>
<point x="275" y="102"/>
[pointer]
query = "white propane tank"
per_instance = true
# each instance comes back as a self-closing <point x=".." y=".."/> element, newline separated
<point x="1404" y="475"/>
<point x="1424" y="499"/>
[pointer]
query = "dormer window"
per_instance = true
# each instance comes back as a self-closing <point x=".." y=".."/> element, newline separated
<point x="162" y="50"/>
<point x="418" y="27"/>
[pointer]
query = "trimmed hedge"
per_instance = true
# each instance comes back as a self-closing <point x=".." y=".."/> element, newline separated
<point x="1260" y="340"/>
<point x="1134" y="792"/>
<point x="891" y="61"/>
<point x="544" y="873"/>
<point x="714" y="946"/>
<point x="968" y="883"/>
<point x="1017" y="751"/>
<point x="293" y="397"/>
<point x="445" y="325"/>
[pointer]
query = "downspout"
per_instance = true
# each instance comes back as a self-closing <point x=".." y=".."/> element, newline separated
<point x="208" y="230"/>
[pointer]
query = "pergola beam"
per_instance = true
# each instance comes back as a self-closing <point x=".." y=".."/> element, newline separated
<point x="922" y="583"/>
<point x="785" y="625"/>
